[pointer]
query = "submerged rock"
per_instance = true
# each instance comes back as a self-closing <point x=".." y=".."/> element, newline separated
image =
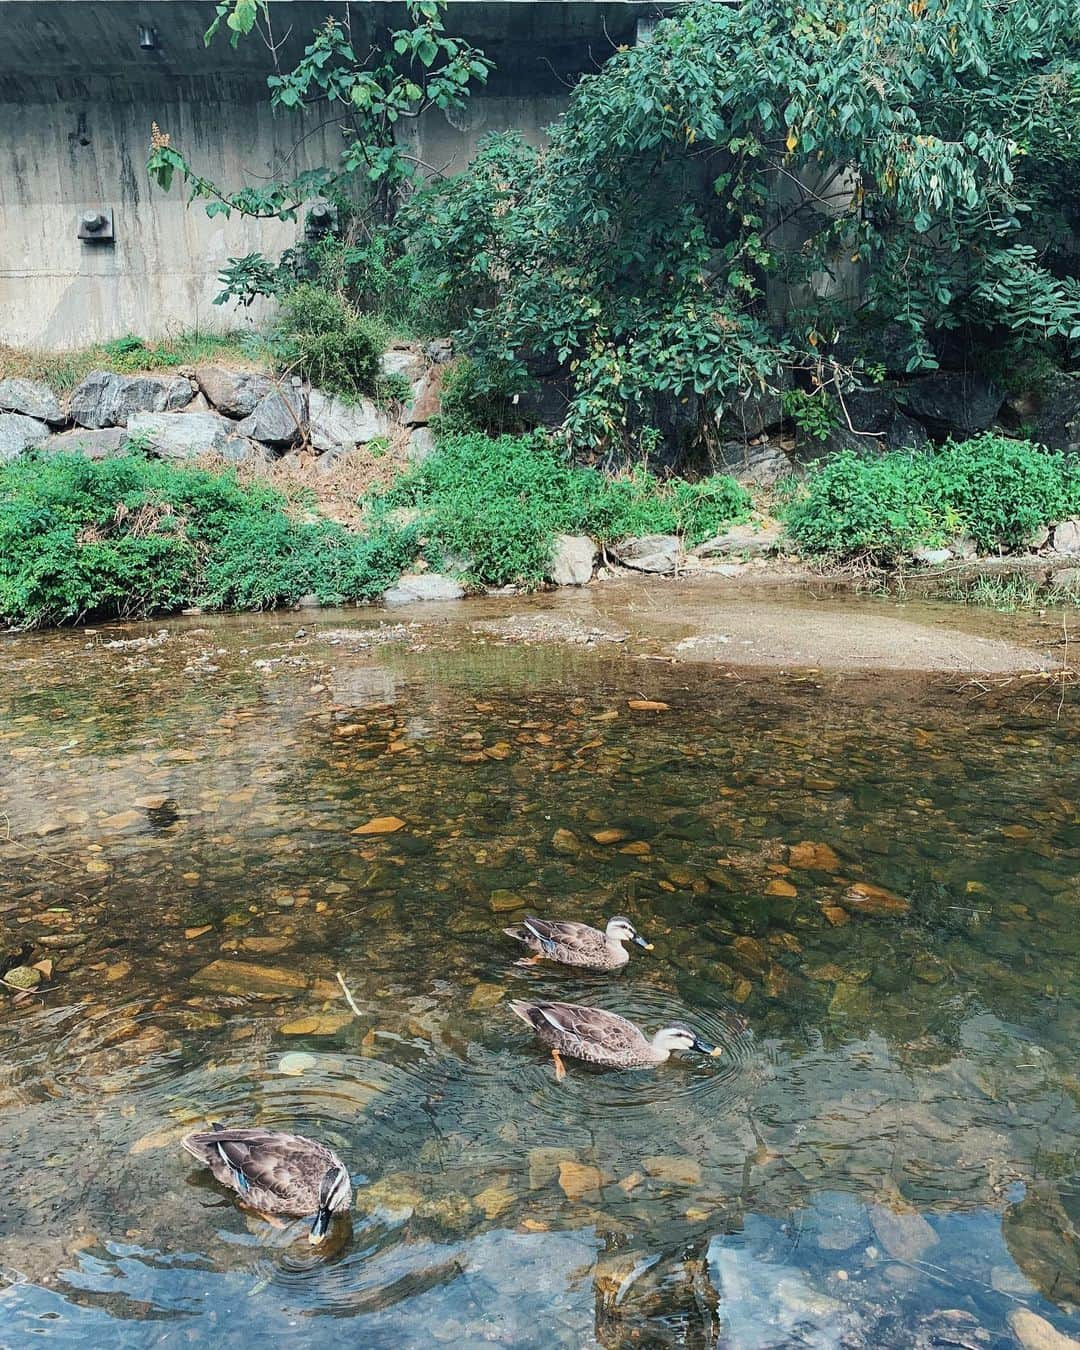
<point x="865" y="898"/>
<point x="1036" y="1333"/>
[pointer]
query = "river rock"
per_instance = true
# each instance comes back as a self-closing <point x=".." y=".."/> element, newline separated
<point x="245" y="977"/>
<point x="865" y="898"/>
<point x="104" y="443"/>
<point x="1067" y="537"/>
<point x="413" y="587"/>
<point x="658" y="553"/>
<point x="105" y="399"/>
<point x="333" y="423"/>
<point x="236" y="393"/>
<point x="952" y="403"/>
<point x="277" y="419"/>
<point x="32" y="398"/>
<point x="180" y="435"/>
<point x="675" y="1170"/>
<point x="1036" y="1333"/>
<point x="752" y="540"/>
<point x="19" y="433"/>
<point x="904" y="1236"/>
<point x="578" y="1179"/>
<point x="403" y="361"/>
<point x="572" y="559"/>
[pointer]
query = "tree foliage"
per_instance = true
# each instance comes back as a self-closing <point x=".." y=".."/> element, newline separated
<point x="415" y="69"/>
<point x="764" y="187"/>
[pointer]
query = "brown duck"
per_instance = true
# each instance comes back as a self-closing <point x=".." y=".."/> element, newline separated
<point x="576" y="944"/>
<point x="600" y="1037"/>
<point x="276" y="1173"/>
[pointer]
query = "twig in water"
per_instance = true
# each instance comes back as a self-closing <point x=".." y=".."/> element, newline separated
<point x="348" y="996"/>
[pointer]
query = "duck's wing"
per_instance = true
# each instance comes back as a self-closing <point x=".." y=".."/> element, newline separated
<point x="606" y="1030"/>
<point x="568" y="933"/>
<point x="266" y="1160"/>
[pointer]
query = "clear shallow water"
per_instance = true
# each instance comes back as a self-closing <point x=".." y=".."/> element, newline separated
<point x="886" y="1154"/>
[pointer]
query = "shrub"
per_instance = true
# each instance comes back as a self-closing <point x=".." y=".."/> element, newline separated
<point x="494" y="506"/>
<point x="477" y="396"/>
<point x="329" y="343"/>
<point x="996" y="490"/>
<point x="131" y="537"/>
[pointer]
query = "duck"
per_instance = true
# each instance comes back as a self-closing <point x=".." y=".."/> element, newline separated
<point x="276" y="1173"/>
<point x="600" y="1037"/>
<point x="577" y="944"/>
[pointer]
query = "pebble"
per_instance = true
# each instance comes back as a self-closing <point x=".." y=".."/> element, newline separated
<point x="296" y="1062"/>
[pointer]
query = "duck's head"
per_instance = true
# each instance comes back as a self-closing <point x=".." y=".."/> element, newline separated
<point x="622" y="930"/>
<point x="335" y="1194"/>
<point x="679" y="1039"/>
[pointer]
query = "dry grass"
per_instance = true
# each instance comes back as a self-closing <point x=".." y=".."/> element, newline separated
<point x="64" y="369"/>
<point x="334" y="488"/>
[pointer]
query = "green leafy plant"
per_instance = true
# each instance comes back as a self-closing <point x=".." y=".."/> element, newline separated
<point x="478" y="397"/>
<point x="815" y="415"/>
<point x="995" y="490"/>
<point x="320" y="336"/>
<point x="412" y="71"/>
<point x="492" y="507"/>
<point x="132" y="537"/>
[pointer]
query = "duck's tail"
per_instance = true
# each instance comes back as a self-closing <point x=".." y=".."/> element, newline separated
<point x="523" y="1010"/>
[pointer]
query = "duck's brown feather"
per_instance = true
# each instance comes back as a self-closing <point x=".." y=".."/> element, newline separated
<point x="283" y="1171"/>
<point x="591" y="1034"/>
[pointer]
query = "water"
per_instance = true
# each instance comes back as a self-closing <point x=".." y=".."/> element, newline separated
<point x="886" y="1154"/>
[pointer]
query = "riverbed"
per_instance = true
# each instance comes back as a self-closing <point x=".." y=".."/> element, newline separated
<point x="848" y="826"/>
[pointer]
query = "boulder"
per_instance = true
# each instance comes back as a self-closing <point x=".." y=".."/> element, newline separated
<point x="931" y="557"/>
<point x="1036" y="1333"/>
<point x="19" y="433"/>
<point x="181" y="435"/>
<point x="32" y="398"/>
<point x="440" y="350"/>
<point x="572" y="560"/>
<point x="421" y="444"/>
<point x="105" y="399"/>
<point x="236" y="393"/>
<point x="759" y="465"/>
<point x="413" y="587"/>
<point x="746" y="419"/>
<point x="426" y="401"/>
<point x="755" y="539"/>
<point x="103" y="443"/>
<point x="278" y="418"/>
<point x="335" y="424"/>
<point x="956" y="404"/>
<point x="650" y="553"/>
<point x="239" y="450"/>
<point x="1067" y="536"/>
<point x="1066" y="579"/>
<point x="403" y="361"/>
<point x="1054" y="417"/>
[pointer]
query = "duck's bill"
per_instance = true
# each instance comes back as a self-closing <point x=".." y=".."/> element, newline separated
<point x="319" y="1228"/>
<point x="642" y="943"/>
<point x="704" y="1048"/>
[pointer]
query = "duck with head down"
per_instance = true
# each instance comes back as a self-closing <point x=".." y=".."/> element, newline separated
<point x="276" y="1173"/>
<point x="577" y="944"/>
<point x="600" y="1037"/>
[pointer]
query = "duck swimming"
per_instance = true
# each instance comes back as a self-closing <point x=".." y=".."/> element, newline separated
<point x="577" y="944"/>
<point x="276" y="1173"/>
<point x="600" y="1037"/>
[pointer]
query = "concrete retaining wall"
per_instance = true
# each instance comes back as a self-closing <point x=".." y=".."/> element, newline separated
<point x="78" y="95"/>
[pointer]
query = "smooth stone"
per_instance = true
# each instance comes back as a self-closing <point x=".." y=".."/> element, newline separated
<point x="650" y="553"/>
<point x="904" y="1236"/>
<point x="572" y="559"/>
<point x="1036" y="1333"/>
<point x="296" y="1062"/>
<point x="422" y="586"/>
<point x="931" y="557"/>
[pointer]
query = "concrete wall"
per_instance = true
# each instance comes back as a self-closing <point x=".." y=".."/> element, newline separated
<point x="77" y="97"/>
